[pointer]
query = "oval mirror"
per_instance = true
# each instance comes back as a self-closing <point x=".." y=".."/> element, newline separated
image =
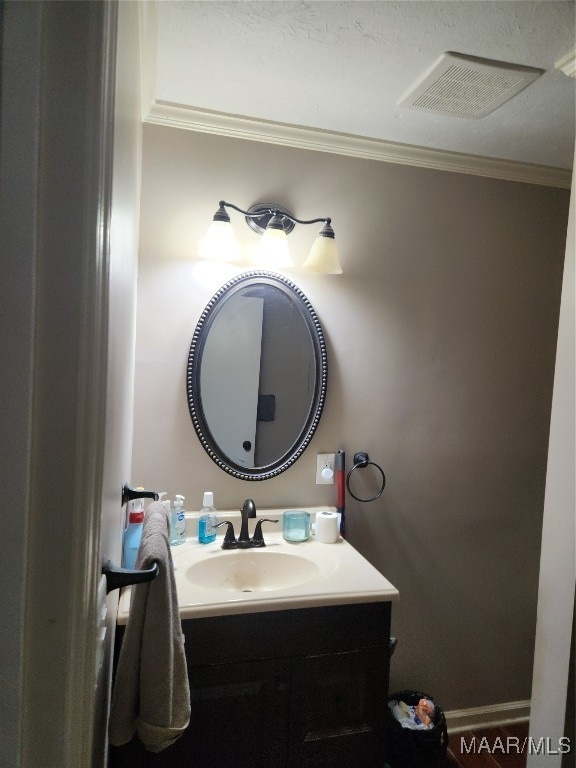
<point x="257" y="373"/>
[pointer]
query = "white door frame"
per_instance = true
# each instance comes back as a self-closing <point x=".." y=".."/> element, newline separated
<point x="57" y="116"/>
<point x="558" y="552"/>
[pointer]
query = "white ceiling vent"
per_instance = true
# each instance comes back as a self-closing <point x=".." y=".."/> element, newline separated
<point x="467" y="86"/>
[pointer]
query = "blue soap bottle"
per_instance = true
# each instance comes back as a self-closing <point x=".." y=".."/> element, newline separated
<point x="133" y="532"/>
<point x="207" y="520"/>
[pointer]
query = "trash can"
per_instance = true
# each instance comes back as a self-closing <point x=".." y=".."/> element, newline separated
<point x="412" y="747"/>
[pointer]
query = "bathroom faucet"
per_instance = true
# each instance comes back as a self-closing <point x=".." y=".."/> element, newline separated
<point x="244" y="541"/>
<point x="248" y="510"/>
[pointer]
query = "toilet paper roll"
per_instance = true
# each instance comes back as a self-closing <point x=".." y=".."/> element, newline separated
<point x="327" y="527"/>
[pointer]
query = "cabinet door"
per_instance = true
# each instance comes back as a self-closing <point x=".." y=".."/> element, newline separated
<point x="239" y="720"/>
<point x="239" y="716"/>
<point x="338" y="709"/>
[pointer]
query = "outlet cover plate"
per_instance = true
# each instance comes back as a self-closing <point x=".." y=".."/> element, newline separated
<point x="323" y="461"/>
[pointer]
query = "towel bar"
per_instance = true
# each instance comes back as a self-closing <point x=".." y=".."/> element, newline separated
<point x="128" y="494"/>
<point x="125" y="577"/>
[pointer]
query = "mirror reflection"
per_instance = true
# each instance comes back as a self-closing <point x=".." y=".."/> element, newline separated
<point x="257" y="375"/>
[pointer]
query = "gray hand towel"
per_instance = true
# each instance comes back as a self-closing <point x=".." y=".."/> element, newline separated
<point x="151" y="694"/>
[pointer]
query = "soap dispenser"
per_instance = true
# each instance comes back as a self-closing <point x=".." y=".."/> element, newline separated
<point x="207" y="520"/>
<point x="178" y="521"/>
<point x="165" y="502"/>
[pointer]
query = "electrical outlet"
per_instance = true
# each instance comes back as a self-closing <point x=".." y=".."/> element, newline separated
<point x="325" y="469"/>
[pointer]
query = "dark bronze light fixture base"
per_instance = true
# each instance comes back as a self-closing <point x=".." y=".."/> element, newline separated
<point x="261" y="213"/>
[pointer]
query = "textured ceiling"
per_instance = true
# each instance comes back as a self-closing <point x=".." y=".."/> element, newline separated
<point x="343" y="66"/>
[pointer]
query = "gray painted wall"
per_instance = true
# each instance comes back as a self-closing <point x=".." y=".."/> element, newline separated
<point x="441" y="340"/>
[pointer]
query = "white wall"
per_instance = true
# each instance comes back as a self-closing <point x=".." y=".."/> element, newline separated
<point x="121" y="331"/>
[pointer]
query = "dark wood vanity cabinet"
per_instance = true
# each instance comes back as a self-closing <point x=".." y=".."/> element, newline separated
<point x="304" y="688"/>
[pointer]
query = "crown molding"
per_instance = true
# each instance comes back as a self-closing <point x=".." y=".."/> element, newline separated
<point x="567" y="63"/>
<point x="235" y="126"/>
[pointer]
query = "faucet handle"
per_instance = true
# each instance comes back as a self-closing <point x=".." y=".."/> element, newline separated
<point x="258" y="540"/>
<point x="229" y="538"/>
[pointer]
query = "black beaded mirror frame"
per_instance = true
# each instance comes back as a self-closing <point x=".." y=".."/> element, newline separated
<point x="194" y="368"/>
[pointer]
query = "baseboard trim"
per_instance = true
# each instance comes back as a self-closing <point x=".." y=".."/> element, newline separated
<point x="493" y="715"/>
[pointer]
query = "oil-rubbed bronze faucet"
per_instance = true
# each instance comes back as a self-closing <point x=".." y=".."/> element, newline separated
<point x="244" y="541"/>
<point x="248" y="510"/>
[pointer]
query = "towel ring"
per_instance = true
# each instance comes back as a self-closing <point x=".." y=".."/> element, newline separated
<point x="362" y="460"/>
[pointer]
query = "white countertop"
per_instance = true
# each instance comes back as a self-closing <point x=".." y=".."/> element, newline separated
<point x="344" y="576"/>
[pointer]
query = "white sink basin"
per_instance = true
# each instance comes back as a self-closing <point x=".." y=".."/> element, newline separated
<point x="211" y="581"/>
<point x="255" y="570"/>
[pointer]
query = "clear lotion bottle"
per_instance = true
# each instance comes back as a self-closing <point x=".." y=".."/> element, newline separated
<point x="178" y="521"/>
<point x="207" y="520"/>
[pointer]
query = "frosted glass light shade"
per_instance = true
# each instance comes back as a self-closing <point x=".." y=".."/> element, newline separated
<point x="323" y="257"/>
<point x="272" y="250"/>
<point x="219" y="243"/>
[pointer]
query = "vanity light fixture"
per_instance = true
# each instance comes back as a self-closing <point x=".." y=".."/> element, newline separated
<point x="274" y="223"/>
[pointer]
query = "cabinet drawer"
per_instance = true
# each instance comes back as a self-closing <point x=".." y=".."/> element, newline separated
<point x="277" y="634"/>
